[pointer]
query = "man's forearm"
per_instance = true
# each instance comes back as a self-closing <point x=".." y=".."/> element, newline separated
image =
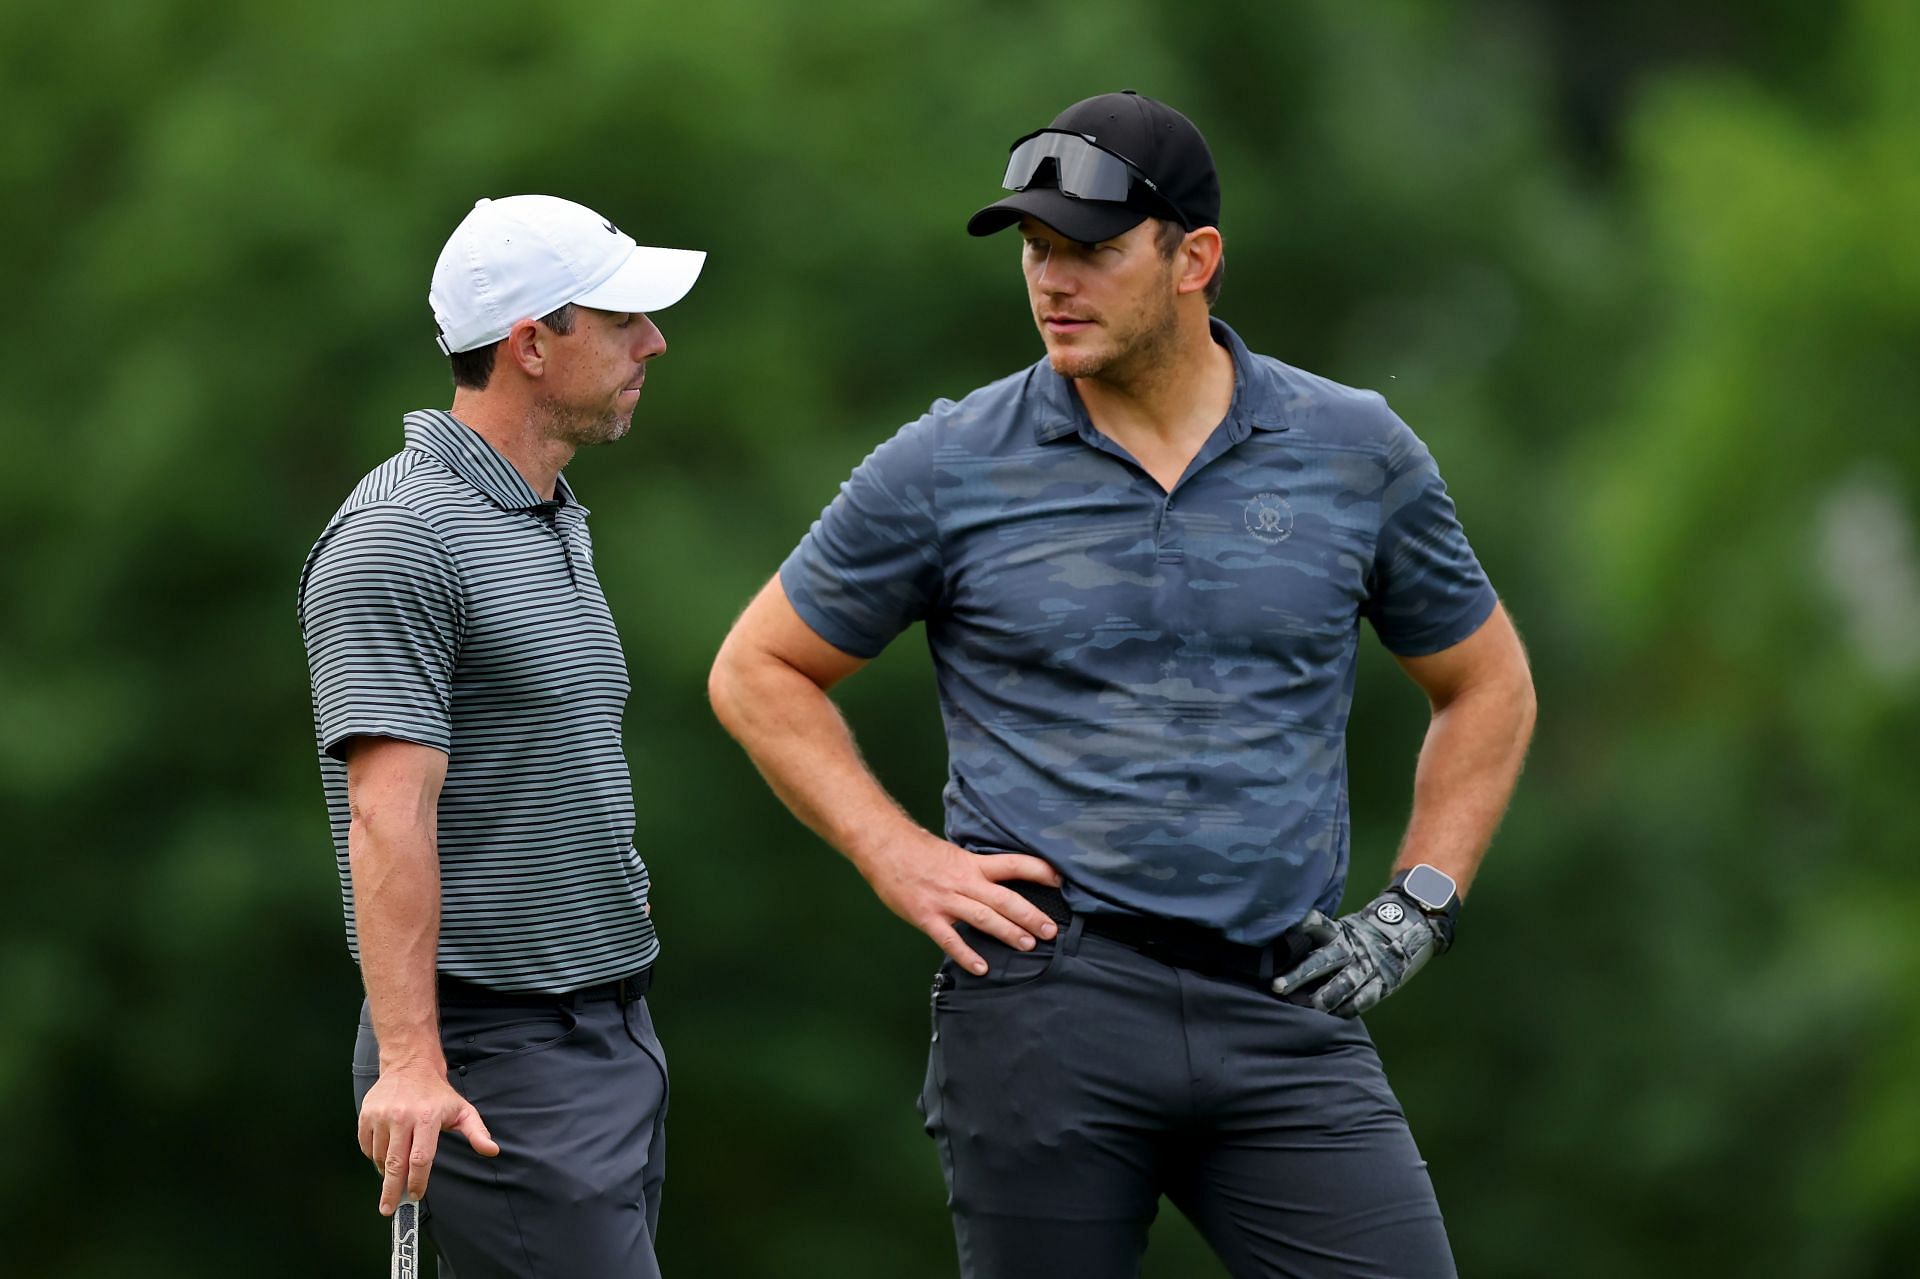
<point x="396" y="906"/>
<point x="1468" y="765"/>
<point x="768" y="687"/>
<point x="799" y="741"/>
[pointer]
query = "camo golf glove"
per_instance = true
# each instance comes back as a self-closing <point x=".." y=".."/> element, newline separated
<point x="1360" y="959"/>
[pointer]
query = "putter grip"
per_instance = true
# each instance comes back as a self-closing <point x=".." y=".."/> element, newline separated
<point x="406" y="1240"/>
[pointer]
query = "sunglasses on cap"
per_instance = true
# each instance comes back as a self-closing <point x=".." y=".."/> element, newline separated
<point x="1087" y="170"/>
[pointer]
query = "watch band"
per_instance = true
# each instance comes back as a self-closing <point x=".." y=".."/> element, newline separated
<point x="1434" y="894"/>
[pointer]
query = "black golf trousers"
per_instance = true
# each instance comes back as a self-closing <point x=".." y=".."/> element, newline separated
<point x="1074" y="1085"/>
<point x="575" y="1092"/>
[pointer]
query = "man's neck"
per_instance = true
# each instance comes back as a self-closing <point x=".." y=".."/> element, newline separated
<point x="1173" y="403"/>
<point x="513" y="428"/>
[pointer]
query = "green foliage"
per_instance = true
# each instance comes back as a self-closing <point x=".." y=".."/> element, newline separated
<point x="1649" y="286"/>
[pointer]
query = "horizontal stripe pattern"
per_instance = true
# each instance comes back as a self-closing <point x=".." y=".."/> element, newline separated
<point x="448" y="604"/>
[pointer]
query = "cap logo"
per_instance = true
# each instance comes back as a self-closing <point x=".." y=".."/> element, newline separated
<point x="1269" y="518"/>
<point x="611" y="228"/>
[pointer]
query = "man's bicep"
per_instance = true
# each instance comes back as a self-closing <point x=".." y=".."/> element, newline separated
<point x="772" y="628"/>
<point x="1493" y="653"/>
<point x="392" y="777"/>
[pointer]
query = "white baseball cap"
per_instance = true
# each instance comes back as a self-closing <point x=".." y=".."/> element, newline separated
<point x="523" y="256"/>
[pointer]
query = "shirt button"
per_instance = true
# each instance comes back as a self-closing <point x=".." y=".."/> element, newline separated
<point x="463" y="1070"/>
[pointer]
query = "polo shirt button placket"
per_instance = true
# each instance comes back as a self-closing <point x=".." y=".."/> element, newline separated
<point x="1166" y="539"/>
<point x="558" y="528"/>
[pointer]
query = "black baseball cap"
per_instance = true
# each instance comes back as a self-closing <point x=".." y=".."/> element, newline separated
<point x="1160" y="150"/>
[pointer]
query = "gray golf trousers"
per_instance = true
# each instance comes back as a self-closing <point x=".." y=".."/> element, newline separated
<point x="1073" y="1086"/>
<point x="575" y="1092"/>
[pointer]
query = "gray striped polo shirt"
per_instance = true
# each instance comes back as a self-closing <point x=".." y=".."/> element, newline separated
<point x="447" y="604"/>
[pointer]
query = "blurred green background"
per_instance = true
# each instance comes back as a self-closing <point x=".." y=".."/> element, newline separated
<point x="1645" y="276"/>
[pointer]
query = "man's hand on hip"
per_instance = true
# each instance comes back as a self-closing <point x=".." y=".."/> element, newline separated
<point x="933" y="885"/>
<point x="401" y="1120"/>
<point x="1359" y="959"/>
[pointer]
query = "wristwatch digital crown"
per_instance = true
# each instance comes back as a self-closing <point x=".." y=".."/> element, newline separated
<point x="1434" y="894"/>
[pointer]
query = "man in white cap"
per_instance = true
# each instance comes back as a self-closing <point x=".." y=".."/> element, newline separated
<point x="468" y="688"/>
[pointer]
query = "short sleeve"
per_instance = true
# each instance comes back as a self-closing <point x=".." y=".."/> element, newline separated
<point x="381" y="613"/>
<point x="870" y="567"/>
<point x="1426" y="589"/>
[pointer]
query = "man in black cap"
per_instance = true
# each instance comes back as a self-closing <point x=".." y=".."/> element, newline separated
<point x="1142" y="564"/>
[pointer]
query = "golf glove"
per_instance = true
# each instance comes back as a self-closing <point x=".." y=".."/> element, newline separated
<point x="1360" y="959"/>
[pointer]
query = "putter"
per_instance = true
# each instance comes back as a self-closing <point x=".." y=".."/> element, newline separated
<point x="406" y="1240"/>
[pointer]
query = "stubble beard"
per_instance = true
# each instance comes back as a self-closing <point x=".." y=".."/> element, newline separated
<point x="1128" y="353"/>
<point x="579" y="428"/>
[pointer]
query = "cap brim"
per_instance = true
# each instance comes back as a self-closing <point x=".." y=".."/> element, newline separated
<point x="1088" y="221"/>
<point x="649" y="280"/>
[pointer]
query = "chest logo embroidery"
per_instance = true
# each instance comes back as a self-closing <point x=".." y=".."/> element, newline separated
<point x="1269" y="518"/>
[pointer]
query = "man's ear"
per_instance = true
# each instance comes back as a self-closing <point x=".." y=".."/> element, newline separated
<point x="1199" y="253"/>
<point x="526" y="347"/>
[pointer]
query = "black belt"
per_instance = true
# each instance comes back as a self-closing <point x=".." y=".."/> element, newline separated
<point x="462" y="993"/>
<point x="1176" y="942"/>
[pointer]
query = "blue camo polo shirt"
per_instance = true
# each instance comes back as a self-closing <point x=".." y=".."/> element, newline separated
<point x="1150" y="690"/>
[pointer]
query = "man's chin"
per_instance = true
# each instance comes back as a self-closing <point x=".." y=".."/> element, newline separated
<point x="1068" y="362"/>
<point x="1071" y="358"/>
<point x="605" y="431"/>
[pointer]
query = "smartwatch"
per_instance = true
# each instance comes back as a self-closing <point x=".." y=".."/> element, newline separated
<point x="1434" y="894"/>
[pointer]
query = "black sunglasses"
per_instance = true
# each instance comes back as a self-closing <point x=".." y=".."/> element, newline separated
<point x="1087" y="170"/>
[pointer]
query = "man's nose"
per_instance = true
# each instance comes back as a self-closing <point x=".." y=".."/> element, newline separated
<point x="1053" y="275"/>
<point x="649" y="342"/>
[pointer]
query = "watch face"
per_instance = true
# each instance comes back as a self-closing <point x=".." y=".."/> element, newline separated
<point x="1432" y="888"/>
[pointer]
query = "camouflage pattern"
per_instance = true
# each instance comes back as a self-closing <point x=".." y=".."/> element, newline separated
<point x="1148" y="690"/>
<point x="1360" y="959"/>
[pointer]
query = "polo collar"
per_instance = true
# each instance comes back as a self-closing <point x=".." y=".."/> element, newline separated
<point x="1259" y="401"/>
<point x="467" y="454"/>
